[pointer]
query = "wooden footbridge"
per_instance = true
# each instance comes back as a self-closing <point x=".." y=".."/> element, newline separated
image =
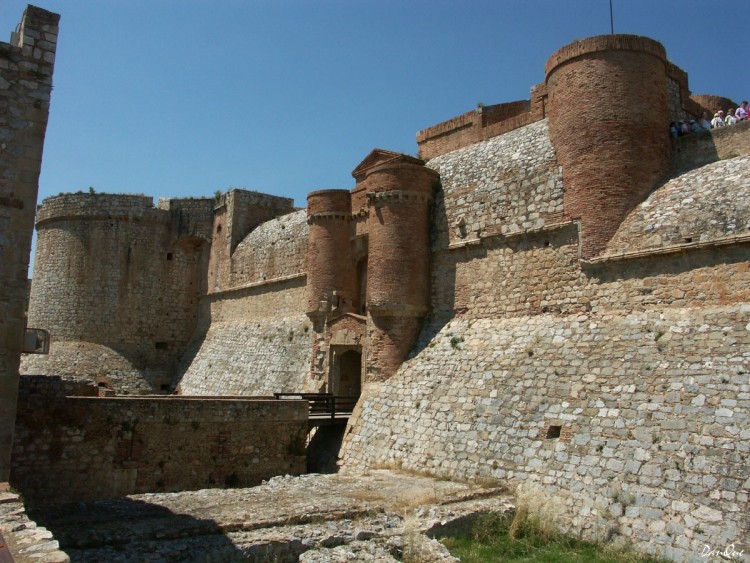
<point x="326" y="409"/>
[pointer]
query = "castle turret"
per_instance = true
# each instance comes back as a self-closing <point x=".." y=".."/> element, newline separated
<point x="399" y="194"/>
<point x="331" y="275"/>
<point x="608" y="122"/>
<point x="116" y="284"/>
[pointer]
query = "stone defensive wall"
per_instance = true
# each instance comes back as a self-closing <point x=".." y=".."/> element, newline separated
<point x="68" y="449"/>
<point x="637" y="422"/>
<point x="275" y="250"/>
<point x="110" y="270"/>
<point x="618" y="383"/>
<point x="237" y="214"/>
<point x="257" y="341"/>
<point x="478" y="125"/>
<point x="26" y="67"/>
<point x="697" y="150"/>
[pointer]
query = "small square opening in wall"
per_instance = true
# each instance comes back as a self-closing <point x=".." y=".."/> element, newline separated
<point x="161" y="345"/>
<point x="553" y="432"/>
<point x="169" y="256"/>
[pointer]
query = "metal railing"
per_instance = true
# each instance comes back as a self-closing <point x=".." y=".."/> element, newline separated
<point x="324" y="405"/>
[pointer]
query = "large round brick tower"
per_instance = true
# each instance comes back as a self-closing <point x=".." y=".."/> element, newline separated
<point x="331" y="275"/>
<point x="398" y="286"/>
<point x="608" y="122"/>
<point x="115" y="289"/>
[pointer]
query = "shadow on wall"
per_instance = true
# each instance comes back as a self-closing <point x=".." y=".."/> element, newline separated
<point x="106" y="530"/>
<point x="443" y="264"/>
<point x="698" y="149"/>
<point x="678" y="263"/>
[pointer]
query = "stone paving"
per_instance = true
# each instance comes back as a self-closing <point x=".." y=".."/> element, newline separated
<point x="26" y="541"/>
<point x="313" y="518"/>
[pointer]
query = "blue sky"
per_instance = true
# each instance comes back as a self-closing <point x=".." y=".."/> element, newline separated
<point x="183" y="98"/>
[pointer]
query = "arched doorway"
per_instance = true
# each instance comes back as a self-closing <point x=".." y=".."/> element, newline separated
<point x="345" y="377"/>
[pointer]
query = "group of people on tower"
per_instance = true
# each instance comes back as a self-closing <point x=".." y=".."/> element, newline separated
<point x="685" y="127"/>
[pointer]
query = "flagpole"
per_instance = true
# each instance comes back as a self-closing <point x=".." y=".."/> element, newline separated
<point x="611" y="19"/>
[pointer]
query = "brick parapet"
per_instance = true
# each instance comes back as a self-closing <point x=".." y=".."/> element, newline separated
<point x="604" y="44"/>
<point x="712" y="103"/>
<point x="477" y="125"/>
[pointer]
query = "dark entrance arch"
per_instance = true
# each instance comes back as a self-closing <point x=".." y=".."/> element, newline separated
<point x="346" y="373"/>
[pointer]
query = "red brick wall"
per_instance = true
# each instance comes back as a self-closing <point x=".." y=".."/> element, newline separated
<point x="608" y="121"/>
<point x="712" y="104"/>
<point x="476" y="125"/>
<point x="398" y="276"/>
<point x="330" y="266"/>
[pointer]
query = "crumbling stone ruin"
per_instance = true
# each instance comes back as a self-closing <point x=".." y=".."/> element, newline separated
<point x="552" y="293"/>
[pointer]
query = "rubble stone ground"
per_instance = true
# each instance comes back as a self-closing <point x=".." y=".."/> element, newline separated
<point x="377" y="516"/>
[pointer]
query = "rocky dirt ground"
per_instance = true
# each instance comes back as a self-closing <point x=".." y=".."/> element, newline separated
<point x="382" y="515"/>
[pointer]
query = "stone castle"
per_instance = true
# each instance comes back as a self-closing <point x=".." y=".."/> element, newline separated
<point x="554" y="292"/>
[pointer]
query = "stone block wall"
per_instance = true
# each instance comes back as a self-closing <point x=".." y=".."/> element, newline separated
<point x="111" y="270"/>
<point x="258" y="342"/>
<point x="275" y="249"/>
<point x="651" y="409"/>
<point x="618" y="385"/>
<point x="697" y="150"/>
<point x="508" y="184"/>
<point x="26" y="67"/>
<point x="76" y="448"/>
<point x="238" y="213"/>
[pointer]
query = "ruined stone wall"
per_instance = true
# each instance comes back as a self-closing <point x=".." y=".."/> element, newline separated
<point x="26" y="68"/>
<point x="117" y="287"/>
<point x="76" y="448"/>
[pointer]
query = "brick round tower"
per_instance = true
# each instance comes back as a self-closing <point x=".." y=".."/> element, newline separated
<point x="331" y="275"/>
<point x="398" y="285"/>
<point x="608" y="122"/>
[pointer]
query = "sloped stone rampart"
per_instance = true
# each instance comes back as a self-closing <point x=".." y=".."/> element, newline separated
<point x="639" y="420"/>
<point x="257" y="343"/>
<point x="275" y="249"/>
<point x="507" y="184"/>
<point x="252" y="357"/>
<point x="706" y="204"/>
